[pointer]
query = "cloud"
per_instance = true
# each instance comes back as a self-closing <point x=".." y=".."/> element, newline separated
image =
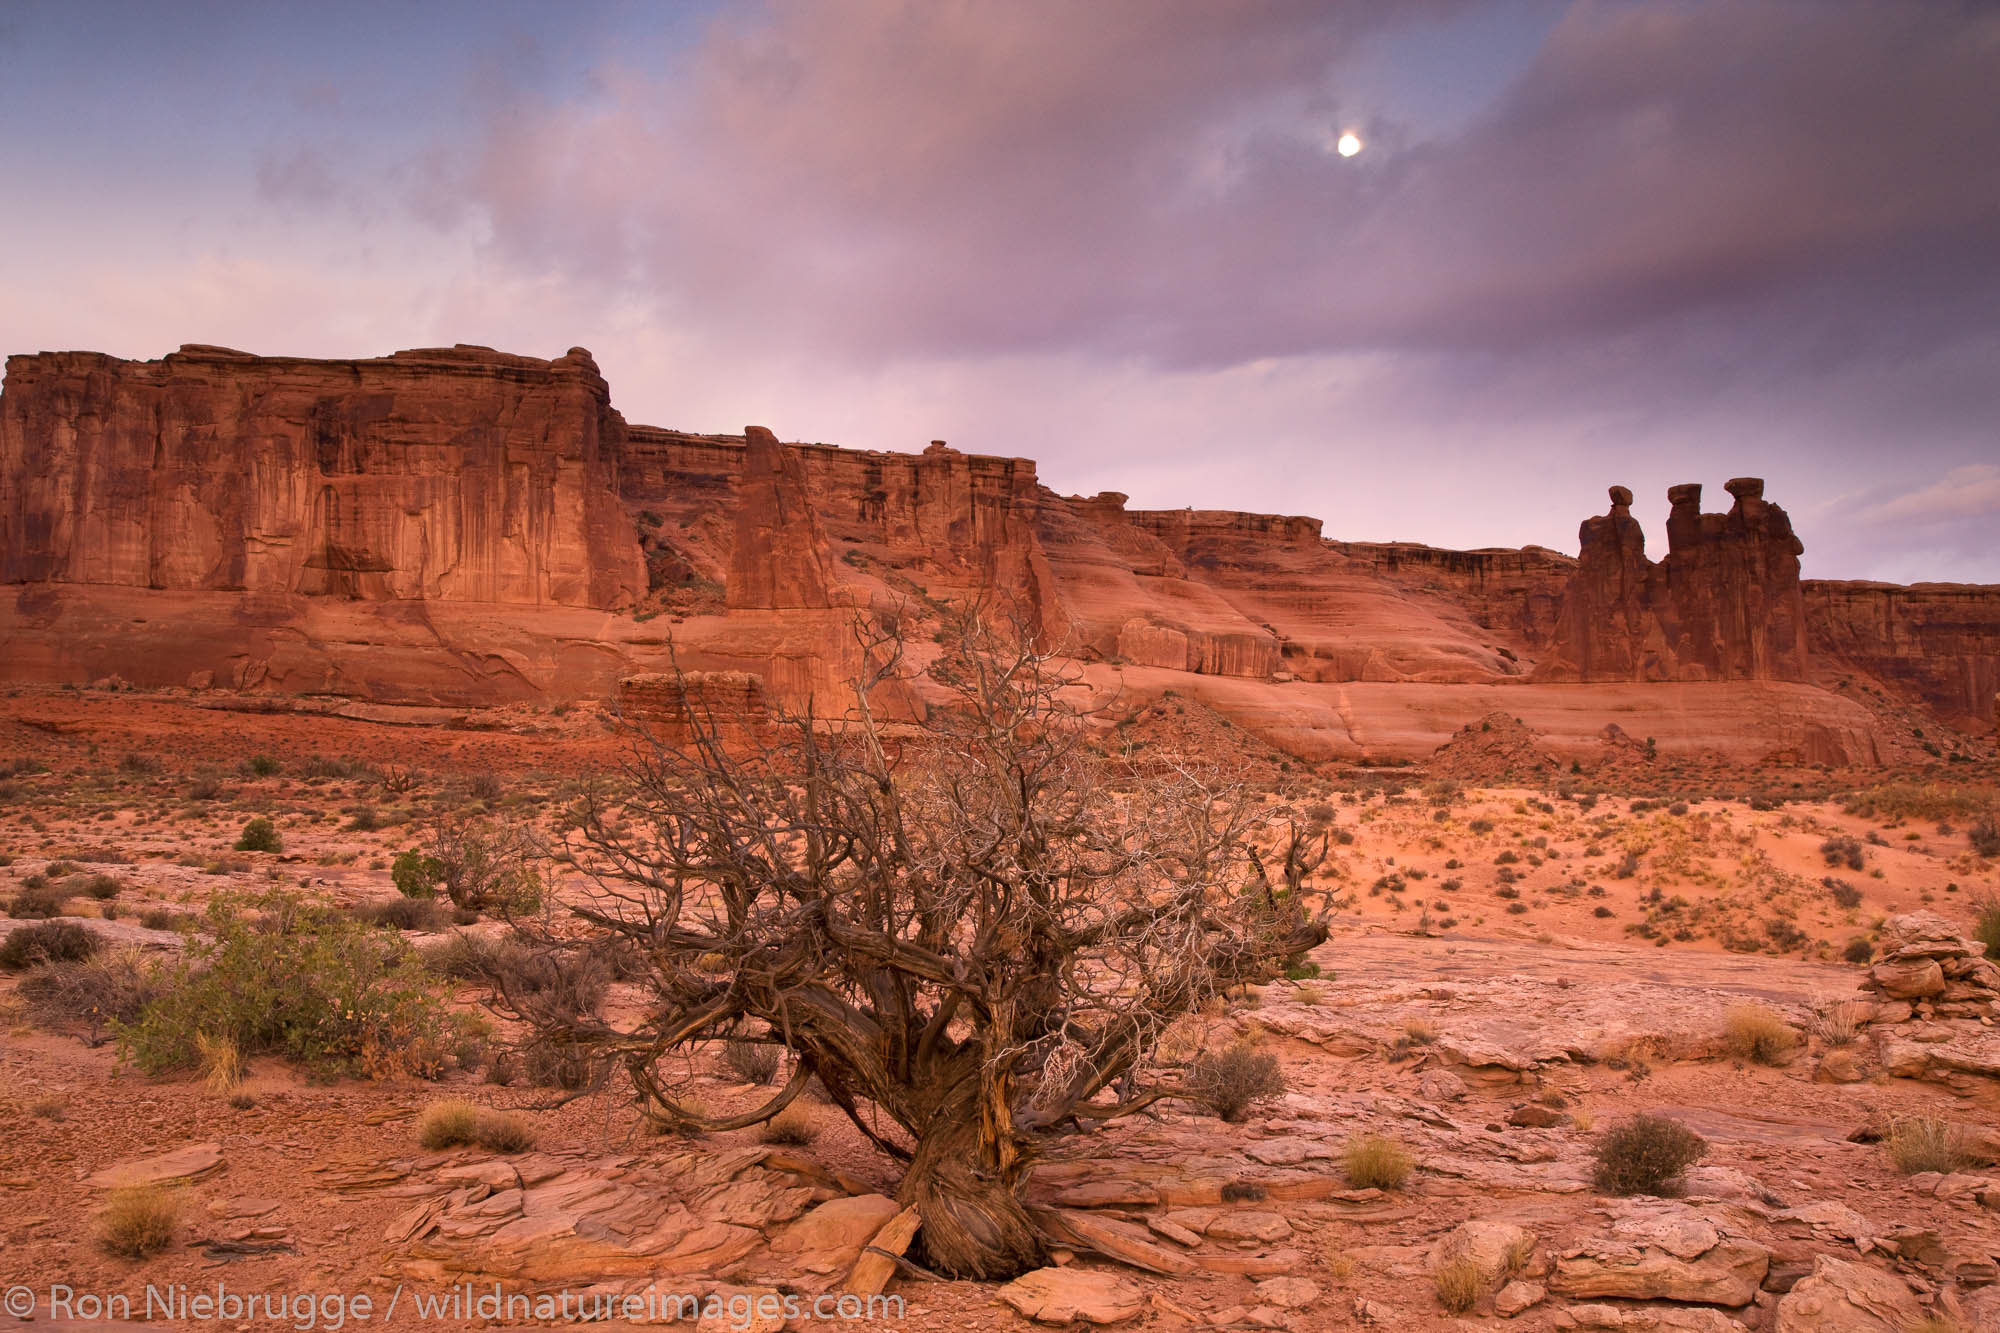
<point x="888" y="179"/>
<point x="1972" y="491"/>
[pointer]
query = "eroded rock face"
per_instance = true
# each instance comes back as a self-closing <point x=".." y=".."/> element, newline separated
<point x="452" y="474"/>
<point x="1725" y="603"/>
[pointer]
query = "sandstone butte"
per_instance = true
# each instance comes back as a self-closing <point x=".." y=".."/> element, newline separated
<point x="464" y="527"/>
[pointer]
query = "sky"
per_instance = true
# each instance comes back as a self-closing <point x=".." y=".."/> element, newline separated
<point x="1632" y="242"/>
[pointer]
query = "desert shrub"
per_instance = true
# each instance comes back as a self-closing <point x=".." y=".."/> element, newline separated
<point x="1234" y="1079"/>
<point x="38" y="900"/>
<point x="792" y="1127"/>
<point x="1926" y="1143"/>
<point x="138" y="1221"/>
<point x="1843" y="893"/>
<point x="1912" y="800"/>
<point x="159" y="918"/>
<point x="402" y="914"/>
<point x="1601" y="911"/>
<point x="103" y="887"/>
<point x="537" y="977"/>
<point x="261" y="766"/>
<point x="88" y="997"/>
<point x="414" y="874"/>
<point x="447" y="1124"/>
<point x="1459" y="1284"/>
<point x="46" y="942"/>
<point x="503" y="1131"/>
<point x="1842" y="850"/>
<point x="483" y="866"/>
<point x="259" y="835"/>
<point x="751" y="1061"/>
<point x="1627" y="866"/>
<point x="1759" y="1034"/>
<point x="300" y="980"/>
<point x="320" y="766"/>
<point x="1374" y="1162"/>
<point x="1647" y="1154"/>
<point x="1986" y="923"/>
<point x="558" y="1064"/>
<point x="1985" y="838"/>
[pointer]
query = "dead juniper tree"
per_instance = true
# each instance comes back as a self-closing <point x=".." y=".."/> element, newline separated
<point x="972" y="931"/>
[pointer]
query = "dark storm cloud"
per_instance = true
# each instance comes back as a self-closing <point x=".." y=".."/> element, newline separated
<point x="890" y="179"/>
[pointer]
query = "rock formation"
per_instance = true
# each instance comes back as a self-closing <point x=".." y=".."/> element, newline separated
<point x="459" y="526"/>
<point x="1725" y="604"/>
<point x="780" y="559"/>
<point x="456" y="474"/>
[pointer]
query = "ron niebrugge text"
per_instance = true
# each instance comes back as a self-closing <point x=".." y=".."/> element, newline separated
<point x="311" y="1312"/>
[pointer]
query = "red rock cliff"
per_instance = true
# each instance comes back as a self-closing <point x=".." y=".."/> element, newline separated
<point x="452" y="474"/>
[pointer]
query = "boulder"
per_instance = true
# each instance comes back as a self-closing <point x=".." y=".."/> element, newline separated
<point x="1497" y="1249"/>
<point x="1842" y="1296"/>
<point x="1908" y="978"/>
<point x="1663" y="1251"/>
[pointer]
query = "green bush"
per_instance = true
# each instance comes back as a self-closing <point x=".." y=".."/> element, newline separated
<point x="1647" y="1154"/>
<point x="260" y="835"/>
<point x="279" y="975"/>
<point x="1986" y="923"/>
<point x="416" y="875"/>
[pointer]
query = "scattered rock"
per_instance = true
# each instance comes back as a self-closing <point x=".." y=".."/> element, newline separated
<point x="1067" y="1295"/>
<point x="187" y="1163"/>
<point x="1517" y="1296"/>
<point x="1288" y="1293"/>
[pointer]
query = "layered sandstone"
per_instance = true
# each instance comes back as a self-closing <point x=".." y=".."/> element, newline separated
<point x="455" y="474"/>
<point x="1725" y="603"/>
<point x="1937" y="643"/>
<point x="463" y="527"/>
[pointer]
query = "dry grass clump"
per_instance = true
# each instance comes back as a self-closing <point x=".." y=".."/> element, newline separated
<point x="751" y="1061"/>
<point x="110" y="986"/>
<point x="1374" y="1162"/>
<point x="1837" y="1023"/>
<point x="1926" y="1143"/>
<point x="1234" y="1079"/>
<point x="1459" y="1285"/>
<point x="447" y="1124"/>
<point x="503" y="1131"/>
<point x="138" y="1221"/>
<point x="1759" y="1034"/>
<point x="1647" y="1154"/>
<point x="221" y="1063"/>
<point x="792" y="1127"/>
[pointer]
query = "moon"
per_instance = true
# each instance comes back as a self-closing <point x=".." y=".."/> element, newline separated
<point x="1348" y="144"/>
